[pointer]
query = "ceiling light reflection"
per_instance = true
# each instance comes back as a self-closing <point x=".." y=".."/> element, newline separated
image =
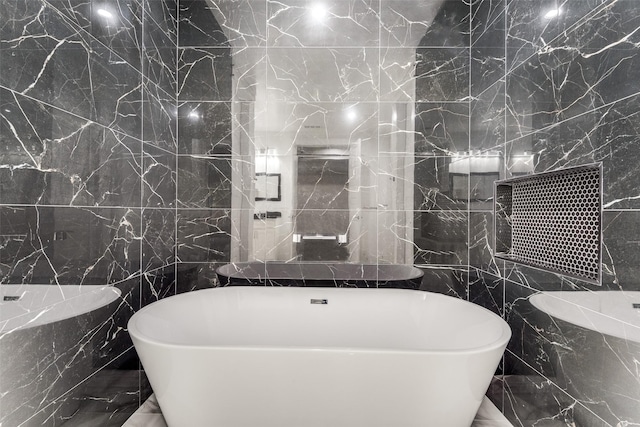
<point x="104" y="13"/>
<point x="319" y="12"/>
<point x="552" y="13"/>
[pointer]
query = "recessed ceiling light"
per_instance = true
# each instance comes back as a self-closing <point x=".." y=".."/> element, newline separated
<point x="319" y="12"/>
<point x="552" y="13"/>
<point x="105" y="13"/>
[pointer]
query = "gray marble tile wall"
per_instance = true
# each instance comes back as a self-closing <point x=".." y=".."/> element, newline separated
<point x="553" y="85"/>
<point x="87" y="189"/>
<point x="132" y="130"/>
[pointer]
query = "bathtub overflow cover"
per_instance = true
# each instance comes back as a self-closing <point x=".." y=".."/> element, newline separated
<point x="319" y="301"/>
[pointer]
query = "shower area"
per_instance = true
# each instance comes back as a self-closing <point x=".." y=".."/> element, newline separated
<point x="145" y="143"/>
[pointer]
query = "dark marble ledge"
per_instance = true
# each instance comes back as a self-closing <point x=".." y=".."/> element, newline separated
<point x="559" y="389"/>
<point x="569" y="119"/>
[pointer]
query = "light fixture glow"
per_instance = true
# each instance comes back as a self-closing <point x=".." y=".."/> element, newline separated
<point x="319" y="12"/>
<point x="552" y="13"/>
<point x="105" y="13"/>
<point x="193" y="115"/>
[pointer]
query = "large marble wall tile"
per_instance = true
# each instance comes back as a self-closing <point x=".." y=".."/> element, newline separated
<point x="58" y="57"/>
<point x="488" y="45"/>
<point x="323" y="74"/>
<point x="323" y="184"/>
<point x="157" y="284"/>
<point x="440" y="237"/>
<point x="52" y="157"/>
<point x="197" y="25"/>
<point x="204" y="128"/>
<point x="115" y="92"/>
<point x="583" y="72"/>
<point x="533" y="24"/>
<point x="436" y="188"/>
<point x="330" y="23"/>
<point x="195" y="276"/>
<point x="159" y="48"/>
<point x="486" y="290"/>
<point x="604" y="135"/>
<point x="487" y="120"/>
<point x="71" y="70"/>
<point x="481" y="245"/>
<point x="204" y="74"/>
<point x="442" y="74"/>
<point x="158" y="178"/>
<point x="436" y="23"/>
<point x="204" y="235"/>
<point x="158" y="238"/>
<point x="530" y="398"/>
<point x="115" y="24"/>
<point x="204" y="182"/>
<point x="488" y="23"/>
<point x="159" y="118"/>
<point x="398" y="74"/>
<point x="573" y="87"/>
<point x="621" y="250"/>
<point x="238" y="23"/>
<point x="164" y="14"/>
<point x="451" y="281"/>
<point x="487" y="68"/>
<point x="442" y="128"/>
<point x="69" y="245"/>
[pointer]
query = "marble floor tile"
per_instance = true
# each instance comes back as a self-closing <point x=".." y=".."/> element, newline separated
<point x="149" y="415"/>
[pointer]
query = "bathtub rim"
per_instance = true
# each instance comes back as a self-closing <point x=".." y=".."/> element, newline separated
<point x="238" y="274"/>
<point x="500" y="342"/>
<point x="36" y="317"/>
<point x="589" y="316"/>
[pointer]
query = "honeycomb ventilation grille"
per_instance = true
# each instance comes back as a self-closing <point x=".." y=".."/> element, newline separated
<point x="552" y="221"/>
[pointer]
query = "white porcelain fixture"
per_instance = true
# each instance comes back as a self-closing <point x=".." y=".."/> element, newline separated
<point x="46" y="333"/>
<point x="304" y="357"/>
<point x="27" y="306"/>
<point x="613" y="313"/>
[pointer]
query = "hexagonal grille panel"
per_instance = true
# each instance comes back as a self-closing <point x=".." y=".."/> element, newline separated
<point x="553" y="221"/>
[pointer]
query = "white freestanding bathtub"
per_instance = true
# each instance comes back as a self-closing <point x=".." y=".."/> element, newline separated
<point x="301" y="357"/>
<point x="47" y="336"/>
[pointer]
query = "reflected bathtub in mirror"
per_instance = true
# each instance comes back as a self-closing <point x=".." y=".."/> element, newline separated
<point x="47" y="335"/>
<point x="320" y="274"/>
<point x="305" y="356"/>
<point x="604" y="375"/>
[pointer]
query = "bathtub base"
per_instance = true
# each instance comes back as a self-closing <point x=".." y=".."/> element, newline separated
<point x="272" y="390"/>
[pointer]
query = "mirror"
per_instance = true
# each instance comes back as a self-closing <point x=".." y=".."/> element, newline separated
<point x="268" y="187"/>
<point x="336" y="100"/>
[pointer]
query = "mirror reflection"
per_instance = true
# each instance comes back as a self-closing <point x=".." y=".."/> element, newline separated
<point x="360" y="108"/>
